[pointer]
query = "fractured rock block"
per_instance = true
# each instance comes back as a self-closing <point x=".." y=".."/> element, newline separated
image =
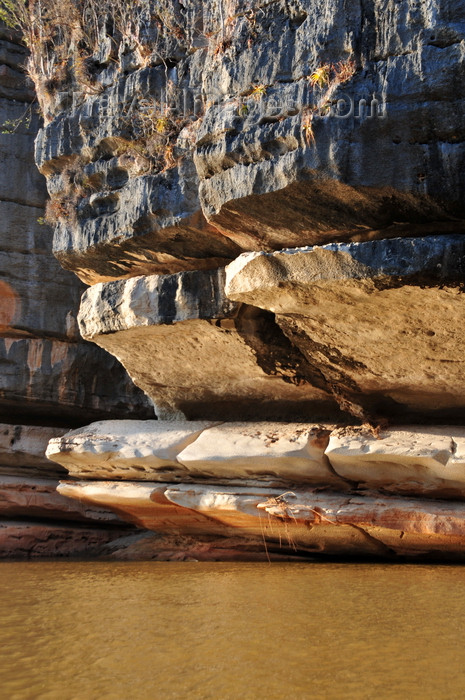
<point x="197" y="354"/>
<point x="380" y="320"/>
<point x="416" y="460"/>
<point x="191" y="451"/>
<point x="285" y="453"/>
<point x="131" y="450"/>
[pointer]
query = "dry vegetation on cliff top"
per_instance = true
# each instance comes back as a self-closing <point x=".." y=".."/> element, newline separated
<point x="64" y="37"/>
<point x="72" y="41"/>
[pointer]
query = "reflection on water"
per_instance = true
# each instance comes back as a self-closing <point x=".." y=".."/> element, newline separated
<point x="80" y="630"/>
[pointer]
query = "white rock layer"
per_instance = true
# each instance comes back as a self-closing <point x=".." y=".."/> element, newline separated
<point x="231" y="453"/>
<point x="137" y="450"/>
<point x="272" y="452"/>
<point x="411" y="459"/>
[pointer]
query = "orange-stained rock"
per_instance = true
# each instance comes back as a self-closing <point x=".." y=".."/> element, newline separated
<point x="303" y="521"/>
<point x="142" y="504"/>
<point x="27" y="497"/>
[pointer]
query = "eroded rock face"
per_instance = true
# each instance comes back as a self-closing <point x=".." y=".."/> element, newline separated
<point x="64" y="383"/>
<point x="144" y="183"/>
<point x="197" y="354"/>
<point x="262" y="157"/>
<point x="265" y="185"/>
<point x="272" y="158"/>
<point x="35" y="520"/>
<point x="380" y="320"/>
<point x="134" y="220"/>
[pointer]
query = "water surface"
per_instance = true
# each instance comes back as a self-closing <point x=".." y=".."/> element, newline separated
<point x="85" y="630"/>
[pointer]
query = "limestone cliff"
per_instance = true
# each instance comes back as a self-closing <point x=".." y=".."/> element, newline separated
<point x="267" y="203"/>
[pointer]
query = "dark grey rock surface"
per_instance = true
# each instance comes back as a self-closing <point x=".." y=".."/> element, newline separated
<point x="384" y="159"/>
<point x="47" y="373"/>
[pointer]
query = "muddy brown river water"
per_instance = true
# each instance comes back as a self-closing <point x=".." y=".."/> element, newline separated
<point x="98" y="630"/>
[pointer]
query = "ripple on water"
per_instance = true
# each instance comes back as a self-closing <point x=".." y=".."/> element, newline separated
<point x="85" y="630"/>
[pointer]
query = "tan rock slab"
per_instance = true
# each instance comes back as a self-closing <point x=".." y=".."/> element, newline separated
<point x="382" y="320"/>
<point x="197" y="354"/>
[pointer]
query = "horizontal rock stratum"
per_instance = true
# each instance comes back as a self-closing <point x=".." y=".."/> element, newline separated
<point x="191" y="451"/>
<point x="300" y="488"/>
<point x="373" y="329"/>
<point x="298" y="521"/>
<point x="414" y="460"/>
